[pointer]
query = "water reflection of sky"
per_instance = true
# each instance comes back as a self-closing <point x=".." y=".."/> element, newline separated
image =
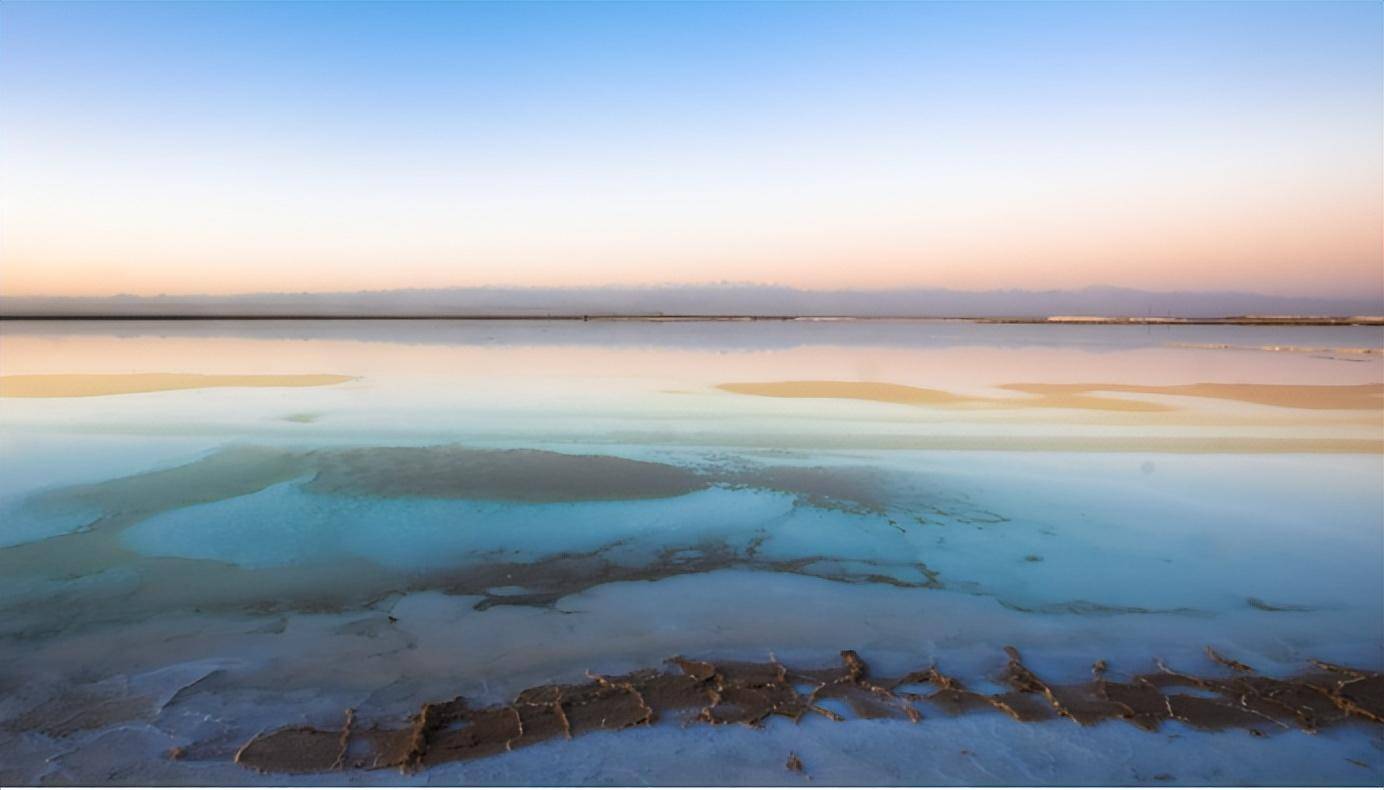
<point x="791" y="525"/>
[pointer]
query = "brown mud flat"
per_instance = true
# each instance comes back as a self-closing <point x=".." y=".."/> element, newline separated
<point x="748" y="693"/>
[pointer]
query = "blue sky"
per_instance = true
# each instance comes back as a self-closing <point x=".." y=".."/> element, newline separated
<point x="177" y="145"/>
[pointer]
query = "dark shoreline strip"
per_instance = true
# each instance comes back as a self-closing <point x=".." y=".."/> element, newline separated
<point x="748" y="693"/>
<point x="653" y="317"/>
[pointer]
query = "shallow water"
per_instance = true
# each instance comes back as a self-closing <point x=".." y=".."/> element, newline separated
<point x="489" y="506"/>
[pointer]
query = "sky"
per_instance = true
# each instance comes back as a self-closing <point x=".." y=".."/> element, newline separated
<point x="263" y="147"/>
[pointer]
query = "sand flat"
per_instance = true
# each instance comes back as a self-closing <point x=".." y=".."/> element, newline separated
<point x="850" y="390"/>
<point x="1346" y="397"/>
<point x="86" y="385"/>
<point x="882" y="392"/>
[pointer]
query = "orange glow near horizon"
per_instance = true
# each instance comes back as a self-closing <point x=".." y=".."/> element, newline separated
<point x="1272" y="246"/>
<point x="1146" y="216"/>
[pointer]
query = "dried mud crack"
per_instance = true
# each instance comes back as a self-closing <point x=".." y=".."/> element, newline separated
<point x="748" y="693"/>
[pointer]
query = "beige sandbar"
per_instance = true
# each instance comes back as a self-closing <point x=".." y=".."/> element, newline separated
<point x="1345" y="397"/>
<point x="86" y="385"/>
<point x="851" y="390"/>
<point x="882" y="392"/>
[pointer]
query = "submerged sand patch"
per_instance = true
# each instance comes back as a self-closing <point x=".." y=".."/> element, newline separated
<point x="454" y="472"/>
<point x="1344" y="397"/>
<point x="87" y="385"/>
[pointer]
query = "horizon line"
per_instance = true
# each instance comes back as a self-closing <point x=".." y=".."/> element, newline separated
<point x="1234" y="320"/>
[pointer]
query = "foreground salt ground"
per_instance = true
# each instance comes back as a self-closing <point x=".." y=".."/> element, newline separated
<point x="212" y="617"/>
<point x="749" y="693"/>
<point x="973" y="749"/>
<point x="476" y="513"/>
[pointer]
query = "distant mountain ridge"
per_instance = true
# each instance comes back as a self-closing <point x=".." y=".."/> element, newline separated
<point x="700" y="300"/>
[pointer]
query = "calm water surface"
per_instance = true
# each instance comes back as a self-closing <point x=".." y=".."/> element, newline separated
<point x="488" y="506"/>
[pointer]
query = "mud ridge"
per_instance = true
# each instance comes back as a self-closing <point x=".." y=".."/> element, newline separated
<point x="748" y="693"/>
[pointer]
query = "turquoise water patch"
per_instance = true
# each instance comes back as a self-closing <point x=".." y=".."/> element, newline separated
<point x="1204" y="533"/>
<point x="285" y="525"/>
<point x="27" y="519"/>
